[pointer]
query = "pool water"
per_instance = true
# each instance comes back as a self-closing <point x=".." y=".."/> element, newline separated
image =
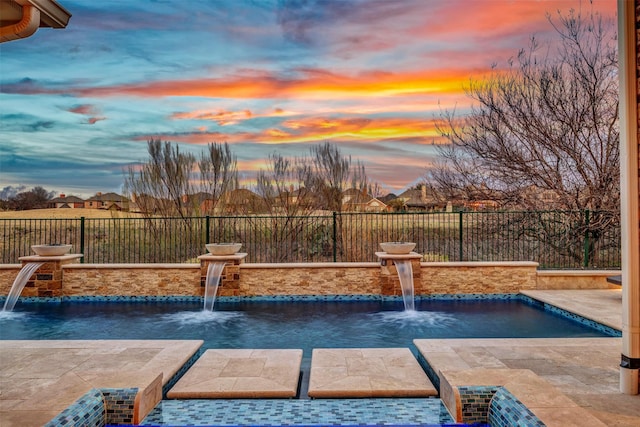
<point x="291" y="324"/>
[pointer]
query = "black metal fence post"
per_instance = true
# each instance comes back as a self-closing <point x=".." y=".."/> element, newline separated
<point x="82" y="238"/>
<point x="460" y="234"/>
<point x="335" y="236"/>
<point x="585" y="260"/>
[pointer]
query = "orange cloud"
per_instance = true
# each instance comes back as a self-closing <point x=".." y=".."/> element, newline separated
<point x="223" y="118"/>
<point x="311" y="84"/>
<point x="317" y="129"/>
<point x="84" y="109"/>
<point x="486" y="19"/>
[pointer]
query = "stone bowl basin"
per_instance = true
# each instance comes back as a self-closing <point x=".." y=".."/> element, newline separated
<point x="51" y="250"/>
<point x="397" y="248"/>
<point x="223" y="248"/>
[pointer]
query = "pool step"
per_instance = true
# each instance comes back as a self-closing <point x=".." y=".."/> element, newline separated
<point x="295" y="412"/>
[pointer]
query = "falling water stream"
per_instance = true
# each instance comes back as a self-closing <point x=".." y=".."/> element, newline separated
<point x="19" y="284"/>
<point x="211" y="284"/>
<point x="405" y="274"/>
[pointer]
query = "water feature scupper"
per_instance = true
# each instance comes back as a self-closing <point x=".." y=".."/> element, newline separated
<point x="56" y="253"/>
<point x="401" y="254"/>
<point x="220" y="255"/>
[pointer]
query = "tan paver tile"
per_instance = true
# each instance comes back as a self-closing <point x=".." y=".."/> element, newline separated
<point x="241" y="373"/>
<point x="40" y="378"/>
<point x="370" y="372"/>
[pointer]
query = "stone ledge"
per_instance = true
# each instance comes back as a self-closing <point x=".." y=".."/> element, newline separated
<point x="578" y="273"/>
<point x="130" y="266"/>
<point x="546" y="402"/>
<point x="59" y="258"/>
<point x="458" y="264"/>
<point x="311" y="265"/>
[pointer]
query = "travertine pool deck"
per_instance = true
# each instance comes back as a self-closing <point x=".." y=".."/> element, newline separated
<point x="584" y="369"/>
<point x="367" y="372"/>
<point x="241" y="373"/>
<point x="38" y="379"/>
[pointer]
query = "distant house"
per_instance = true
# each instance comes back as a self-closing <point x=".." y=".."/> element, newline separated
<point x="242" y="200"/>
<point x="203" y="202"/>
<point x="66" y="202"/>
<point x="108" y="201"/>
<point x="359" y="201"/>
<point x="419" y="200"/>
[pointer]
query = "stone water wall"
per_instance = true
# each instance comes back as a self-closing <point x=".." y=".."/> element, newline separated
<point x="132" y="279"/>
<point x="478" y="277"/>
<point x="311" y="279"/>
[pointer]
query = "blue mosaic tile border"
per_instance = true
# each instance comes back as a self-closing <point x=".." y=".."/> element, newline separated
<point x="88" y="411"/>
<point x="120" y="404"/>
<point x="466" y="297"/>
<point x="433" y="377"/>
<point x="297" y="298"/>
<point x="185" y="367"/>
<point x="261" y="298"/>
<point x="287" y="412"/>
<point x="475" y="402"/>
<point x="133" y="298"/>
<point x="572" y="316"/>
<point x="506" y="410"/>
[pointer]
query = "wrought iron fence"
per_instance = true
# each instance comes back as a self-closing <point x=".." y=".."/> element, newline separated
<point x="555" y="239"/>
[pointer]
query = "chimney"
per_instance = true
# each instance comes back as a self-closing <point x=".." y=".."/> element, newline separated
<point x="62" y="195"/>
<point x="423" y="192"/>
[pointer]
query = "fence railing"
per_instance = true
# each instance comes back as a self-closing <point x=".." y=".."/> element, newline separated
<point x="555" y="239"/>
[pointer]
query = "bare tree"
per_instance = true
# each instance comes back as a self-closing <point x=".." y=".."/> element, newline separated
<point x="218" y="175"/>
<point x="36" y="198"/>
<point x="167" y="186"/>
<point x="328" y="173"/>
<point x="543" y="133"/>
<point x="168" y="183"/>
<point x="282" y="186"/>
<point x="160" y="185"/>
<point x="294" y="233"/>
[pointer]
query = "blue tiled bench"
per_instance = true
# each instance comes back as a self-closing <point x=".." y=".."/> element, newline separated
<point x="99" y="407"/>
<point x="507" y="411"/>
<point x="494" y="406"/>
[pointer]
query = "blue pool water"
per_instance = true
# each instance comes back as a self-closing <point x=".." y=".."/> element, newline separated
<point x="290" y="324"/>
<point x="293" y="324"/>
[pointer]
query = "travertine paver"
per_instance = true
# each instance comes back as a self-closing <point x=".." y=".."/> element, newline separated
<point x="241" y="373"/>
<point x="40" y="378"/>
<point x="584" y="369"/>
<point x="367" y="372"/>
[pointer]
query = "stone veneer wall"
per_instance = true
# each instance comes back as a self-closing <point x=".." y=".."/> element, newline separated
<point x="478" y="277"/>
<point x="312" y="279"/>
<point x="8" y="273"/>
<point x="132" y="279"/>
<point x="570" y="279"/>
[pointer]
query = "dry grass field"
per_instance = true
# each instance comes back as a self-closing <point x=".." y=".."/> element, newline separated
<point x="65" y="214"/>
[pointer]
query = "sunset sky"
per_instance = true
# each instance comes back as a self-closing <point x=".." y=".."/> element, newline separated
<point x="77" y="105"/>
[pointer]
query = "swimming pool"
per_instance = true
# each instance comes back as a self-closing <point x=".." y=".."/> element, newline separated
<point x="294" y="323"/>
<point x="291" y="324"/>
